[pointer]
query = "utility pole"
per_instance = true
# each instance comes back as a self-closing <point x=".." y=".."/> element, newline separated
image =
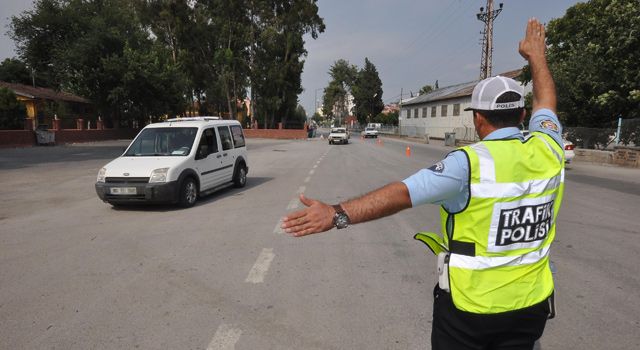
<point x="487" y="37"/>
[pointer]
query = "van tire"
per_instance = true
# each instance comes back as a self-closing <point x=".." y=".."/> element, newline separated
<point x="240" y="176"/>
<point x="188" y="193"/>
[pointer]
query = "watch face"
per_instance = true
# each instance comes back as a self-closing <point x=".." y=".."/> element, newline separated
<point x="342" y="220"/>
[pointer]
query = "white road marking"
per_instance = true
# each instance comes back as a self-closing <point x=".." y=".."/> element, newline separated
<point x="307" y="179"/>
<point x="311" y="172"/>
<point x="315" y="166"/>
<point x="225" y="338"/>
<point x="260" y="268"/>
<point x="301" y="189"/>
<point x="278" y="230"/>
<point x="293" y="204"/>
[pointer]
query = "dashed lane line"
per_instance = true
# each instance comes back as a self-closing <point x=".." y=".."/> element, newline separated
<point x="225" y="338"/>
<point x="260" y="268"/>
<point x="293" y="204"/>
<point x="307" y="179"/>
<point x="278" y="230"/>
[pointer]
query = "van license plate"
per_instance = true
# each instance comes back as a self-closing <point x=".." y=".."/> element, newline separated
<point x="123" y="190"/>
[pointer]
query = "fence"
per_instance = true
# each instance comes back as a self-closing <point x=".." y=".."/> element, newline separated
<point x="603" y="138"/>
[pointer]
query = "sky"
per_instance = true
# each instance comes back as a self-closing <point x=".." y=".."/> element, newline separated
<point x="412" y="43"/>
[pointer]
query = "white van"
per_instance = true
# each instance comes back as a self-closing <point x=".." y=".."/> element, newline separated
<point x="176" y="162"/>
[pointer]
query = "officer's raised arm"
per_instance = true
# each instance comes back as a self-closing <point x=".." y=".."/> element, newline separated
<point x="533" y="48"/>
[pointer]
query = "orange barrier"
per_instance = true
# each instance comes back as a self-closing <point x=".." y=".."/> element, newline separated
<point x="408" y="151"/>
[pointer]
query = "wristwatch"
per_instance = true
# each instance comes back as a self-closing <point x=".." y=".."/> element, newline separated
<point x="340" y="219"/>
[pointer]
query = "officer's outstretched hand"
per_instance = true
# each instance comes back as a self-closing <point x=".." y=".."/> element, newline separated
<point x="533" y="45"/>
<point x="316" y="217"/>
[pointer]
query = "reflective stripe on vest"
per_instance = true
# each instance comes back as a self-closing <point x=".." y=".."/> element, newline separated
<point x="515" y="193"/>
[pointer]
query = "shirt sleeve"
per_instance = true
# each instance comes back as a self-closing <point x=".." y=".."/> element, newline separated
<point x="544" y="120"/>
<point x="444" y="183"/>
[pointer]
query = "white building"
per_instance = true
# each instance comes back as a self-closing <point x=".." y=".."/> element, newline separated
<point x="442" y="111"/>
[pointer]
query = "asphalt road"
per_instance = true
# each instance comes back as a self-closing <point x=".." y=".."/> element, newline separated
<point x="79" y="274"/>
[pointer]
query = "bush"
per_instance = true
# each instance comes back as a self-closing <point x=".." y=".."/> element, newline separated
<point x="12" y="112"/>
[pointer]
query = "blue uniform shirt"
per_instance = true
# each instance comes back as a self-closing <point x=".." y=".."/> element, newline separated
<point x="446" y="182"/>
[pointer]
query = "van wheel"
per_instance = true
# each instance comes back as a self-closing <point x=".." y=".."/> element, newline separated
<point x="188" y="193"/>
<point x="240" y="178"/>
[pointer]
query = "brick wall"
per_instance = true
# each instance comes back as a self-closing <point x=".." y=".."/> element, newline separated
<point x="627" y="156"/>
<point x="27" y="138"/>
<point x="17" y="138"/>
<point x="275" y="133"/>
<point x="73" y="136"/>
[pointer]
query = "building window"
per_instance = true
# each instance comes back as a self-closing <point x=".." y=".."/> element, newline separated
<point x="443" y="110"/>
<point x="416" y="113"/>
<point x="433" y="111"/>
<point x="456" y="109"/>
<point x="424" y="112"/>
<point x="408" y="114"/>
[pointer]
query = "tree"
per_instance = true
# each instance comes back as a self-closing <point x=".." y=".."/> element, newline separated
<point x="100" y="50"/>
<point x="425" y="89"/>
<point x="335" y="97"/>
<point x="367" y="93"/>
<point x="14" y="71"/>
<point x="12" y="112"/>
<point x="594" y="50"/>
<point x="277" y="57"/>
<point x="390" y="118"/>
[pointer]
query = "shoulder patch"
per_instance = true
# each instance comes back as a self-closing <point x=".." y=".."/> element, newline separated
<point x="437" y="168"/>
<point x="549" y="125"/>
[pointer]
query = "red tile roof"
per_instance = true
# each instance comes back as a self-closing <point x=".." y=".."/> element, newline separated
<point x="42" y="93"/>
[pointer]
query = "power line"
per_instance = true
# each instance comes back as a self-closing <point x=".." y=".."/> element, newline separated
<point x="437" y="26"/>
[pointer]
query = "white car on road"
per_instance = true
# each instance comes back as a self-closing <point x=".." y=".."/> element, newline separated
<point x="338" y="135"/>
<point x="176" y="162"/>
<point x="370" y="132"/>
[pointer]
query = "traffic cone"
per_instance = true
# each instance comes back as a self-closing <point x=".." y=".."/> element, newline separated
<point x="408" y="151"/>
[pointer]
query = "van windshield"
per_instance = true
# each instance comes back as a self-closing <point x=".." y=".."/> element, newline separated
<point x="163" y="142"/>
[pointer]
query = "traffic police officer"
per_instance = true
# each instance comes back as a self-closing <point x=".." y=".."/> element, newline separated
<point x="499" y="197"/>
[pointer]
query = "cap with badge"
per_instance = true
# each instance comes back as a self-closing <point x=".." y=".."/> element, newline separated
<point x="486" y="93"/>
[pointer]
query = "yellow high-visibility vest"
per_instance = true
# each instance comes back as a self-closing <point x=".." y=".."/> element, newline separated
<point x="499" y="243"/>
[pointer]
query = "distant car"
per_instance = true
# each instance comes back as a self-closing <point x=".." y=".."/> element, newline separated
<point x="568" y="146"/>
<point x="370" y="132"/>
<point x="338" y="135"/>
<point x="569" y="154"/>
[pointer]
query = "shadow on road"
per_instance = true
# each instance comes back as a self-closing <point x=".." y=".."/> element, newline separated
<point x="226" y="192"/>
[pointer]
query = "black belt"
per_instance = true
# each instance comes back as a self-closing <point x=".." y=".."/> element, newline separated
<point x="462" y="248"/>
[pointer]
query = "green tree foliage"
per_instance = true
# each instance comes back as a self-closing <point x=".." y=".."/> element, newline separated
<point x="14" y="71"/>
<point x="425" y="89"/>
<point x="390" y="118"/>
<point x="140" y="59"/>
<point x="367" y="93"/>
<point x="99" y="50"/>
<point x="343" y="76"/>
<point x="12" y="112"/>
<point x="277" y="56"/>
<point x="594" y="52"/>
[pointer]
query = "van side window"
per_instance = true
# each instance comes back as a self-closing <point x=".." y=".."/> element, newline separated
<point x="238" y="136"/>
<point x="208" y="143"/>
<point x="225" y="137"/>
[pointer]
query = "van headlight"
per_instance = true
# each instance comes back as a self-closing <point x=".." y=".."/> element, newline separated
<point x="101" y="175"/>
<point x="159" y="175"/>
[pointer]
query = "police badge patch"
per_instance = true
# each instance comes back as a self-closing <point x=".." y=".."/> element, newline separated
<point x="549" y="125"/>
<point x="437" y="168"/>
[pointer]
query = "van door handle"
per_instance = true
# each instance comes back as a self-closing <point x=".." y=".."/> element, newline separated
<point x="218" y="156"/>
<point x="224" y="154"/>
